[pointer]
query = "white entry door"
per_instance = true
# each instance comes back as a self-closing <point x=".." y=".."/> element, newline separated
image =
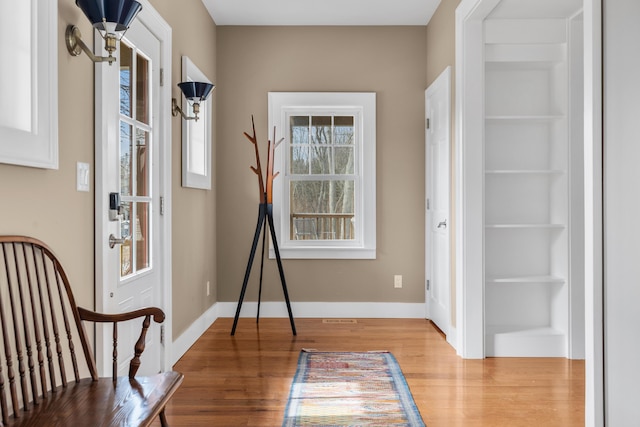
<point x="438" y="269"/>
<point x="130" y="235"/>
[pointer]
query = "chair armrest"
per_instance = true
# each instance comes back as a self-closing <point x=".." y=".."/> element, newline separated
<point x="92" y="316"/>
<point x="158" y="317"/>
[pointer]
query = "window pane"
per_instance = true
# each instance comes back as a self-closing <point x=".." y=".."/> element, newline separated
<point x="321" y="160"/>
<point x="321" y="130"/>
<point x="344" y="160"/>
<point x="141" y="236"/>
<point x="16" y="70"/>
<point x="126" y="54"/>
<point x="198" y="142"/>
<point x="322" y="210"/>
<point x="126" y="142"/>
<point x="143" y="168"/>
<point x="300" y="160"/>
<point x="299" y="129"/>
<point x="343" y="130"/>
<point x="142" y="90"/>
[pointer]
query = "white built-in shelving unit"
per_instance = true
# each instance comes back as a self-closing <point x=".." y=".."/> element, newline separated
<point x="528" y="184"/>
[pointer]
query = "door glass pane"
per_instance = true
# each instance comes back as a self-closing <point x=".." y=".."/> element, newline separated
<point x="126" y="259"/>
<point x="141" y="236"/>
<point x="126" y="89"/>
<point x="142" y="162"/>
<point x="142" y="89"/>
<point x="125" y="159"/>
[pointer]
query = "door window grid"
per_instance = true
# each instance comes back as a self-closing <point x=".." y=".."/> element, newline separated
<point x="135" y="165"/>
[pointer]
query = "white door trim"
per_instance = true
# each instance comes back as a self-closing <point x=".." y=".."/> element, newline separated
<point x="469" y="152"/>
<point x="161" y="29"/>
<point x="594" y="312"/>
<point x="468" y="180"/>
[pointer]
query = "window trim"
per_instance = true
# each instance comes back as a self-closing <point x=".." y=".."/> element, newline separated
<point x="281" y="105"/>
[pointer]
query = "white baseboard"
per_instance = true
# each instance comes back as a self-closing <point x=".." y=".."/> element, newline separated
<point x="452" y="337"/>
<point x="383" y="310"/>
<point x="374" y="310"/>
<point x="195" y="331"/>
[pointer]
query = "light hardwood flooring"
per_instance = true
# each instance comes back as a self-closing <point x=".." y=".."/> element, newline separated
<point x="244" y="380"/>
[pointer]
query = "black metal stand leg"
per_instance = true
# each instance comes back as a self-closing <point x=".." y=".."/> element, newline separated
<point x="256" y="237"/>
<point x="280" y="269"/>
<point x="264" y="239"/>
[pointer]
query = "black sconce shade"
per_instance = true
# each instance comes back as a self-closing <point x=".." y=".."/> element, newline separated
<point x="118" y="13"/>
<point x="196" y="91"/>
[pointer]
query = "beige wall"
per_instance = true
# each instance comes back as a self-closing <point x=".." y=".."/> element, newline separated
<point x="46" y="205"/>
<point x="390" y="61"/>
<point x="441" y="43"/>
<point x="246" y="63"/>
<point x="194" y="211"/>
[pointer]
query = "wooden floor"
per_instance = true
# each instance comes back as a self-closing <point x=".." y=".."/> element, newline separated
<point x="245" y="380"/>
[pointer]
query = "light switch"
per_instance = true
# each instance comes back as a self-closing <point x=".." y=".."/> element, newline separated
<point x="82" y="176"/>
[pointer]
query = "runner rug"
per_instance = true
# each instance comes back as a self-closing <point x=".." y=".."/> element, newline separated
<point x="350" y="389"/>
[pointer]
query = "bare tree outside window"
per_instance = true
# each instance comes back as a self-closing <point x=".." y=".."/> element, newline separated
<point x="322" y="186"/>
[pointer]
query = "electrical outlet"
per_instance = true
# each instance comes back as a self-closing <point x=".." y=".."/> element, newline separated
<point x="208" y="288"/>
<point x="397" y="281"/>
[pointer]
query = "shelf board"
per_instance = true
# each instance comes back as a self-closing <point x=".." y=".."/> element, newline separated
<point x="524" y="341"/>
<point x="524" y="171"/>
<point x="526" y="279"/>
<point x="532" y="226"/>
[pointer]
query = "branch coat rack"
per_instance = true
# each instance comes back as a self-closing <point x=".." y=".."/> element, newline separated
<point x="265" y="211"/>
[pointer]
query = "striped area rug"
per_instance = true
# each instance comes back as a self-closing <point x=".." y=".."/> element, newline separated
<point x="350" y="389"/>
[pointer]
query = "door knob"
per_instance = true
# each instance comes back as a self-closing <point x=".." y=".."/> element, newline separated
<point x="442" y="224"/>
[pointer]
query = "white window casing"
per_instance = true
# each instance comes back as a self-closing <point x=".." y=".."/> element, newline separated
<point x="29" y="84"/>
<point x="362" y="106"/>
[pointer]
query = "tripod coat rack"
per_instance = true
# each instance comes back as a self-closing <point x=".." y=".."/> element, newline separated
<point x="265" y="212"/>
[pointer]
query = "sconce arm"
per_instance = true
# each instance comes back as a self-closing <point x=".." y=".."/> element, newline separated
<point x="76" y="46"/>
<point x="175" y="110"/>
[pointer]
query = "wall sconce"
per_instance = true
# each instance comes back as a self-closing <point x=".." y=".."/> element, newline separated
<point x="195" y="93"/>
<point x="111" y="18"/>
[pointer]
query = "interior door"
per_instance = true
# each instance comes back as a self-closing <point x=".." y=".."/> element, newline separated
<point x="128" y="238"/>
<point x="438" y="269"/>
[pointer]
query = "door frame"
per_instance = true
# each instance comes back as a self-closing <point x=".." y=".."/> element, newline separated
<point x="161" y="29"/>
<point x="443" y="81"/>
<point x="469" y="113"/>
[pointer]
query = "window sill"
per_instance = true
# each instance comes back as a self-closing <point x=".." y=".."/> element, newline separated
<point x="324" y="253"/>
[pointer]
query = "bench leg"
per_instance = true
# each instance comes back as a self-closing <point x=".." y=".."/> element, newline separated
<point x="163" y="419"/>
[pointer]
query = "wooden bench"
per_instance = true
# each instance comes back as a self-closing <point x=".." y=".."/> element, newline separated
<point x="41" y="338"/>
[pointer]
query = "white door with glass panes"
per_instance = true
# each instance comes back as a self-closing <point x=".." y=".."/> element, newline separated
<point x="127" y="237"/>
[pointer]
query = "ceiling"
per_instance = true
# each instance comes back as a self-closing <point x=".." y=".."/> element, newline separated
<point x="326" y="12"/>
